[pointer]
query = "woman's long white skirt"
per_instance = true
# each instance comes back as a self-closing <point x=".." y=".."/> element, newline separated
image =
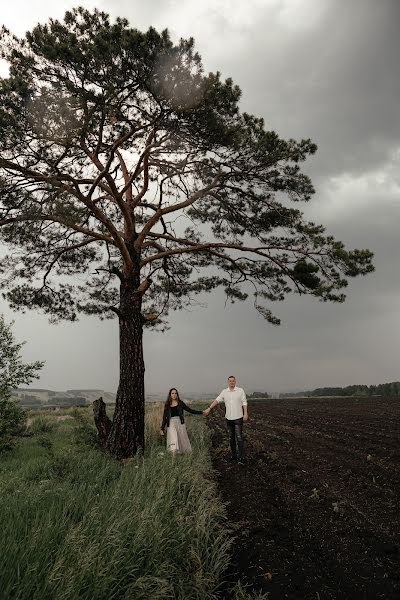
<point x="177" y="437"/>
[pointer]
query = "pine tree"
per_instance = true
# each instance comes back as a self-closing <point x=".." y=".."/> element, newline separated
<point x="122" y="162"/>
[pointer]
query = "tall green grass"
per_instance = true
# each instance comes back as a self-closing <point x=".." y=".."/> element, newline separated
<point x="76" y="524"/>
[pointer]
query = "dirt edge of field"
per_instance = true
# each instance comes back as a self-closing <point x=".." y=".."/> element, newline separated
<point x="315" y="511"/>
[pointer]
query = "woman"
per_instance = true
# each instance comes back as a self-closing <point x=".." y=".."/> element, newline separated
<point x="174" y="422"/>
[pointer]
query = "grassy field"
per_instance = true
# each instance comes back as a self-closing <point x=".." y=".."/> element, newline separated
<point x="77" y="524"/>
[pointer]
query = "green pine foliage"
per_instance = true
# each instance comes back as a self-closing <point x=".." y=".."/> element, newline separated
<point x="107" y="135"/>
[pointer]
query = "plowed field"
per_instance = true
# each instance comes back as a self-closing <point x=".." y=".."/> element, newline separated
<point x="316" y="508"/>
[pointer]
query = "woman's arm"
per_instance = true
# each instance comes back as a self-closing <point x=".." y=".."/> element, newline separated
<point x="164" y="421"/>
<point x="191" y="410"/>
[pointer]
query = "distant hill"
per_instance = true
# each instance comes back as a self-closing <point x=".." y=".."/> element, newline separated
<point x="32" y="390"/>
<point x="45" y="397"/>
<point x="90" y="391"/>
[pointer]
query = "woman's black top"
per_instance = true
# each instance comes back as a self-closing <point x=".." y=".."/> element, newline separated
<point x="177" y="411"/>
<point x="174" y="411"/>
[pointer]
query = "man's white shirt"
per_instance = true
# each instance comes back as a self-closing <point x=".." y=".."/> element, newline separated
<point x="234" y="402"/>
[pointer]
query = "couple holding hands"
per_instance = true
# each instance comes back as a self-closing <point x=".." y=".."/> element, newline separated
<point x="235" y="413"/>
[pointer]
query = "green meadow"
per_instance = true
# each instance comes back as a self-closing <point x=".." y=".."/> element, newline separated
<point x="75" y="523"/>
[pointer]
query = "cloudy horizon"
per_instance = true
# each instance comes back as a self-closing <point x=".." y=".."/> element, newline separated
<point x="311" y="68"/>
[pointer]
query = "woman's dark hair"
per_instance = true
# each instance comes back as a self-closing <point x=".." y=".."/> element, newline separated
<point x="168" y="400"/>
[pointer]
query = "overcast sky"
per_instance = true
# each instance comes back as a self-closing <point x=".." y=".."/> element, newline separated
<point x="324" y="69"/>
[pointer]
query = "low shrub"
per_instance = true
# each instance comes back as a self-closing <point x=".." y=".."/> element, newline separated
<point x="43" y="424"/>
<point x="12" y="418"/>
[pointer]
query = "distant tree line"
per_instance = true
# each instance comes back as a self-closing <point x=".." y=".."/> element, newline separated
<point x="383" y="389"/>
<point x="258" y="395"/>
<point x="27" y="399"/>
<point x="69" y="401"/>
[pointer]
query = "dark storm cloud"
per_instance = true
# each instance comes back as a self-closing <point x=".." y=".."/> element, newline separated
<point x="334" y="80"/>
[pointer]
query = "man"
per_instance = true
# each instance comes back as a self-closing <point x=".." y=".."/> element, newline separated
<point x="235" y="413"/>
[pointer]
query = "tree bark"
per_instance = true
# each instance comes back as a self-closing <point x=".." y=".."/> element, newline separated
<point x="102" y="422"/>
<point x="126" y="437"/>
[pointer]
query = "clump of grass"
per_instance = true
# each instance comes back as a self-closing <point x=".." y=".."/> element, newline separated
<point x="154" y="414"/>
<point x="239" y="592"/>
<point x="85" y="432"/>
<point x="43" y="424"/>
<point x="7" y="444"/>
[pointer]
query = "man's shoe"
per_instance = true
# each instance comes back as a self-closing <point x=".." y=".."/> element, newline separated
<point x="241" y="461"/>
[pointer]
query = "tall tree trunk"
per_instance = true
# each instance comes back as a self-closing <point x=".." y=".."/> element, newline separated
<point x="126" y="437"/>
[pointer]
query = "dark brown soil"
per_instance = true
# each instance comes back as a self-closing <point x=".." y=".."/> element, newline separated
<point x="315" y="510"/>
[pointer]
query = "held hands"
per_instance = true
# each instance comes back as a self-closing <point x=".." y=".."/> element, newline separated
<point x="206" y="412"/>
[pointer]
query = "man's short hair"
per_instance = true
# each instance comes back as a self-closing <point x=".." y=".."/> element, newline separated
<point x="231" y="377"/>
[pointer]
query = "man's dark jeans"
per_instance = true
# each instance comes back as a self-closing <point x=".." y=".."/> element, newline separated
<point x="235" y="430"/>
